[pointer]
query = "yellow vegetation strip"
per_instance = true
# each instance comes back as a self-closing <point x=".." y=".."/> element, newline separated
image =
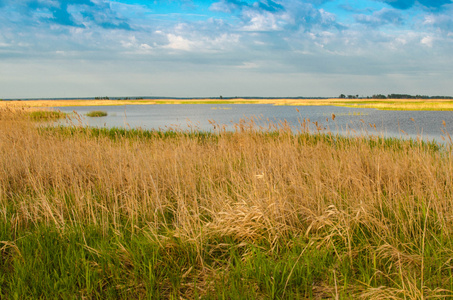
<point x="385" y="104"/>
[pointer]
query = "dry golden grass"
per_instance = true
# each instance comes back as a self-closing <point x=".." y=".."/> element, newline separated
<point x="385" y="104"/>
<point x="75" y="102"/>
<point x="84" y="102"/>
<point x="242" y="187"/>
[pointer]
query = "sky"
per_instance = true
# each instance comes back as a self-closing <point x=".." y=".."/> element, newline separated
<point x="229" y="48"/>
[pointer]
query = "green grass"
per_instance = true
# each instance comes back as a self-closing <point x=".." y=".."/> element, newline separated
<point x="46" y="115"/>
<point x="86" y="261"/>
<point x="96" y="113"/>
<point x="118" y="133"/>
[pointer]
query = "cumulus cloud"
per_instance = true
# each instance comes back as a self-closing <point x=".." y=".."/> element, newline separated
<point x="442" y="22"/>
<point x="266" y="37"/>
<point x="262" y="21"/>
<point x="177" y="42"/>
<point x="427" y="41"/>
<point x="200" y="43"/>
<point x="278" y="15"/>
<point x="253" y="25"/>
<point x="58" y="10"/>
<point x="382" y="17"/>
<point x="71" y="13"/>
<point x="227" y="6"/>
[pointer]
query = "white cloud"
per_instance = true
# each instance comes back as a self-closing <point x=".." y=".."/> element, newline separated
<point x="258" y="21"/>
<point x="146" y="47"/>
<point x="177" y="42"/>
<point x="441" y="22"/>
<point x="131" y="42"/>
<point x="384" y="16"/>
<point x="248" y="65"/>
<point x="200" y="43"/>
<point x="223" y="6"/>
<point x="427" y="41"/>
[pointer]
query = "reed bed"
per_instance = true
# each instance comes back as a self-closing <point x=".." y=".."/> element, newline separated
<point x="96" y="113"/>
<point x="97" y="213"/>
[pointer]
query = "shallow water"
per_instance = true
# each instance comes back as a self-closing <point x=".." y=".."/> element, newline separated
<point x="427" y="125"/>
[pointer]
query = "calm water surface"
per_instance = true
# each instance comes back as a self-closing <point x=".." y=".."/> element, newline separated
<point x="407" y="124"/>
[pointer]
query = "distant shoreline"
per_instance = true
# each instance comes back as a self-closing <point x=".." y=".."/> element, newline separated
<point x="382" y="104"/>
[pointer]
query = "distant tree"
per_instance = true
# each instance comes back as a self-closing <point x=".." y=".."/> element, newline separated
<point x="342" y="96"/>
<point x="221" y="97"/>
<point x="400" y="96"/>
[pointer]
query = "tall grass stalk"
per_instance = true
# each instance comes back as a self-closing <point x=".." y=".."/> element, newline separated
<point x="100" y="213"/>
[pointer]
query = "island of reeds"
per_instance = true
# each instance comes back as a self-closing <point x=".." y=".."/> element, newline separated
<point x="250" y="214"/>
<point x="96" y="114"/>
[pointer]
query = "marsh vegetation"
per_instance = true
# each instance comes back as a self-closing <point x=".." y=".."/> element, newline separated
<point x="46" y="115"/>
<point x="114" y="213"/>
<point x="381" y="102"/>
<point x="96" y="114"/>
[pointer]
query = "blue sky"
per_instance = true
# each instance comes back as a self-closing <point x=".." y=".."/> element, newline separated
<point x="88" y="48"/>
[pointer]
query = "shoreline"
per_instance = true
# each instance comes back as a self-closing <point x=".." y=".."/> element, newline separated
<point x="385" y="104"/>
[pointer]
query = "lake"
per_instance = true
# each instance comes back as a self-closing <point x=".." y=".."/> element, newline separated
<point x="406" y="124"/>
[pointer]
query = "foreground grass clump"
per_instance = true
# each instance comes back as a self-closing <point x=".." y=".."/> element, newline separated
<point x="98" y="213"/>
<point x="96" y="113"/>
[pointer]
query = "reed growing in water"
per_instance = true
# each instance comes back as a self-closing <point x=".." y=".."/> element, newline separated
<point x="96" y="113"/>
<point x="97" y="213"/>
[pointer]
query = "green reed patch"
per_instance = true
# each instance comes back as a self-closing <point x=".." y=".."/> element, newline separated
<point x="96" y="113"/>
<point x="46" y="115"/>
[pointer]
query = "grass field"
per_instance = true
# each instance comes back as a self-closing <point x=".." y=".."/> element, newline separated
<point x="386" y="104"/>
<point x="131" y="214"/>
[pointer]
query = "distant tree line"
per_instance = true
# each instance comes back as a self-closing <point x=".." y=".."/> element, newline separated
<point x="394" y="96"/>
<point x="343" y="96"/>
<point x="117" y="98"/>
